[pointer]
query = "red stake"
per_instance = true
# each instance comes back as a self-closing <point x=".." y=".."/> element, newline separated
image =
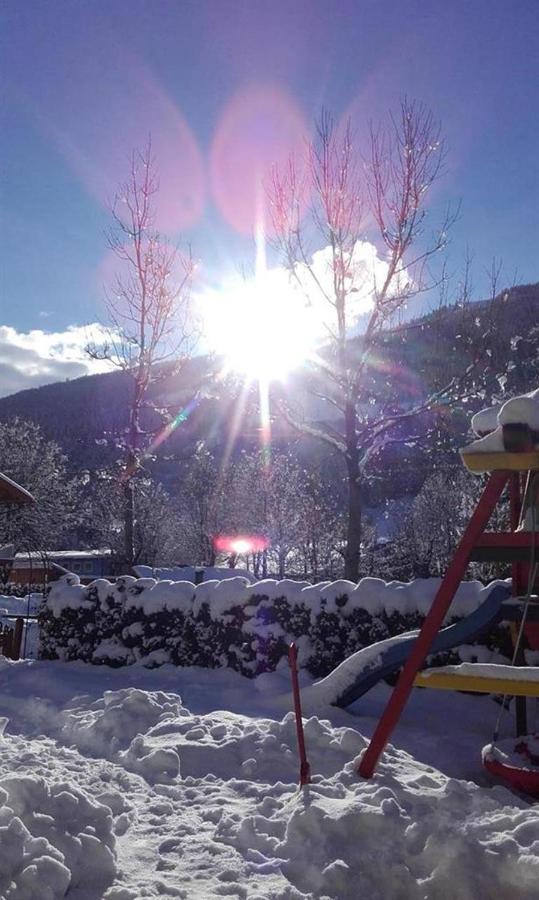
<point x="305" y="769"/>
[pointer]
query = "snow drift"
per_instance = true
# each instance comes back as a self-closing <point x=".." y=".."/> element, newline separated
<point x="78" y="819"/>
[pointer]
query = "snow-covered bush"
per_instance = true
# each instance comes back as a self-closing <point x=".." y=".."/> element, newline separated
<point x="235" y="624"/>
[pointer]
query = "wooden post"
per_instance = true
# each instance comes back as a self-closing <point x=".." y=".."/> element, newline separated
<point x="17" y="639"/>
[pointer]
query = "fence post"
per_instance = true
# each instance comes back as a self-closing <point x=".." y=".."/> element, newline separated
<point x="7" y="641"/>
<point x="305" y="769"/>
<point x="17" y="639"/>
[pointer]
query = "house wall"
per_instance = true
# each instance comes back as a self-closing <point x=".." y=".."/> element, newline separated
<point x="87" y="568"/>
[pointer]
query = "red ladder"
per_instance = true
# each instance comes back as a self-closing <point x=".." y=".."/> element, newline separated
<point x="478" y="545"/>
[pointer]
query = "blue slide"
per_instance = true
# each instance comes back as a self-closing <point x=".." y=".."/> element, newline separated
<point x="392" y="657"/>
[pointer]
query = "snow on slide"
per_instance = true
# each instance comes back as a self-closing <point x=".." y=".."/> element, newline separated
<point x="361" y="671"/>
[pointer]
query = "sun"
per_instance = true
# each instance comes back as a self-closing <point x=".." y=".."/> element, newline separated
<point x="261" y="327"/>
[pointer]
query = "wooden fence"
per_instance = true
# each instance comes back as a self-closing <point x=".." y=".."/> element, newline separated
<point x="11" y="639"/>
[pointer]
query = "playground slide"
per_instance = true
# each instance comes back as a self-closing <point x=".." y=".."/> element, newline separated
<point x="361" y="671"/>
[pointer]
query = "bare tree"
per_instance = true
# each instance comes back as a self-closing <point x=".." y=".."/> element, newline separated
<point x="391" y="188"/>
<point x="149" y="312"/>
<point x="156" y="528"/>
<point x="436" y="519"/>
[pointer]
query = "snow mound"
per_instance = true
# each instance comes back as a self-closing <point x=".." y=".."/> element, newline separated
<point x="53" y="840"/>
<point x="114" y="726"/>
<point x="409" y="833"/>
<point x="430" y="838"/>
<point x="233" y="747"/>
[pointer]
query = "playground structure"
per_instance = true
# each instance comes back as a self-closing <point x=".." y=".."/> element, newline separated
<point x="518" y="469"/>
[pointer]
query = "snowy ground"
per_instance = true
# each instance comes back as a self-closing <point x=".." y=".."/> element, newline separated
<point x="111" y="786"/>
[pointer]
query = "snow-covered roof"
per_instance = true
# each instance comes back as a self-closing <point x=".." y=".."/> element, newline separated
<point x="11" y="492"/>
<point x="51" y="555"/>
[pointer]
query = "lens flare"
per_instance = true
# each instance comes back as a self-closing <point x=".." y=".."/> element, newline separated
<point x="261" y="127"/>
<point x="240" y="543"/>
<point x="97" y="139"/>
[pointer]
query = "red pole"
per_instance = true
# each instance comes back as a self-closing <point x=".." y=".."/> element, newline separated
<point x="432" y="623"/>
<point x="518" y="570"/>
<point x="304" y="769"/>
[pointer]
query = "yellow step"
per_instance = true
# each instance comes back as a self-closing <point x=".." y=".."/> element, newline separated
<point x="500" y="461"/>
<point x="454" y="681"/>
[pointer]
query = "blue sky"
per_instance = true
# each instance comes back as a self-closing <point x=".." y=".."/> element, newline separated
<point x="85" y="81"/>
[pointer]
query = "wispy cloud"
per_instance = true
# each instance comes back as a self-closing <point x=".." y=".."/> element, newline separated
<point x="32" y="358"/>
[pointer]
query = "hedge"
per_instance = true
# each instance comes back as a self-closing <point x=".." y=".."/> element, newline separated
<point x="243" y="626"/>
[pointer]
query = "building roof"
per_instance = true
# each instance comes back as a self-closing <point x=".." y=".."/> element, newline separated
<point x="11" y="492"/>
<point x="51" y="555"/>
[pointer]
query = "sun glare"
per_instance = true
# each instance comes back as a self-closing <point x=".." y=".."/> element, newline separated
<point x="262" y="327"/>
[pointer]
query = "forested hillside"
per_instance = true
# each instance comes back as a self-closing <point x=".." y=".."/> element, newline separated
<point x="86" y="415"/>
<point x="188" y="495"/>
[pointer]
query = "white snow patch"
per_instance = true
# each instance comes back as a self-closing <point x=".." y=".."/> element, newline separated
<point x="128" y="793"/>
<point x="192" y="573"/>
<point x="54" y="841"/>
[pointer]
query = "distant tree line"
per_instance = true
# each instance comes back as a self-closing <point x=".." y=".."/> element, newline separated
<point x="298" y="510"/>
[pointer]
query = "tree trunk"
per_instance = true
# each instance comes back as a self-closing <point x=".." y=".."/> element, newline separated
<point x="210" y="556"/>
<point x="131" y="470"/>
<point x="353" y="528"/>
<point x="315" y="558"/>
<point x="129" y="522"/>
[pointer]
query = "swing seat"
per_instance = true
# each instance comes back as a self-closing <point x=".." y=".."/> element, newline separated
<point x="515" y="762"/>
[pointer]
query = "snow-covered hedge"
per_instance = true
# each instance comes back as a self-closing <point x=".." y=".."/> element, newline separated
<point x="233" y="623"/>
